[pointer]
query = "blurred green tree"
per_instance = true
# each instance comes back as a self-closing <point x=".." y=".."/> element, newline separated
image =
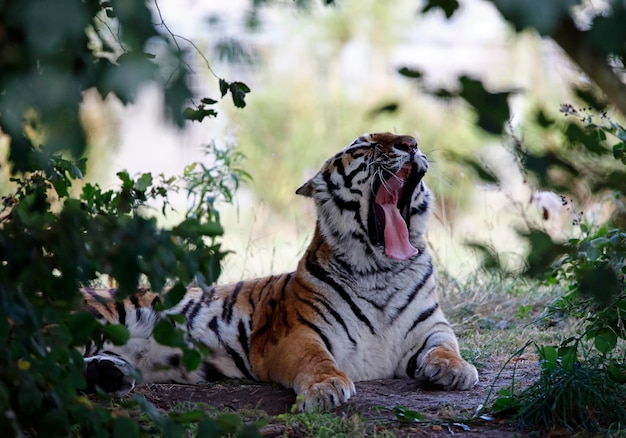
<point x="582" y="386"/>
<point x="51" y="242"/>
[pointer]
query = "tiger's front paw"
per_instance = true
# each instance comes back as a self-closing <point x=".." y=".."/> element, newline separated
<point x="446" y="368"/>
<point x="326" y="394"/>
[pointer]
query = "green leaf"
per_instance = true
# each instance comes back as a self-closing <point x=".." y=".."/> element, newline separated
<point x="482" y="172"/>
<point x="223" y="87"/>
<point x="174" y="295"/>
<point x="198" y="114"/>
<point x="447" y="6"/>
<point x="126" y="78"/>
<point x="191" y="228"/>
<point x="617" y="372"/>
<point x="543" y="120"/>
<point x="191" y="359"/>
<point x="250" y="430"/>
<point x="543" y="252"/>
<point x="492" y="108"/>
<point x="505" y="403"/>
<point x="410" y="73"/>
<point x="524" y="14"/>
<point x="165" y="333"/>
<point x="210" y="428"/>
<point x="548" y="354"/>
<point x="391" y="107"/>
<point x="189" y="416"/>
<point x="144" y="181"/>
<point x="124" y="427"/>
<point x="407" y="415"/>
<point x="171" y="429"/>
<point x="238" y="91"/>
<point x="569" y="357"/>
<point x="81" y="325"/>
<point x="229" y="422"/>
<point x="490" y="257"/>
<point x="118" y="334"/>
<point x="29" y="397"/>
<point x="607" y="32"/>
<point x="589" y="138"/>
<point x="605" y="340"/>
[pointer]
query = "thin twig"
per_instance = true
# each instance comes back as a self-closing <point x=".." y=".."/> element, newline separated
<point x="187" y="40"/>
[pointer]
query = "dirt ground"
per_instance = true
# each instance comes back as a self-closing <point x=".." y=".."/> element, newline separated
<point x="448" y="413"/>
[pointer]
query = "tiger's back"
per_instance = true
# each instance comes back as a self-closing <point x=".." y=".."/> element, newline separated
<point x="361" y="304"/>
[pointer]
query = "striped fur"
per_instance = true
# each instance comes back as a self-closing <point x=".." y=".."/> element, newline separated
<point x="361" y="304"/>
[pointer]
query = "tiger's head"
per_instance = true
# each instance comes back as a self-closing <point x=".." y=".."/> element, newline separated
<point x="371" y="199"/>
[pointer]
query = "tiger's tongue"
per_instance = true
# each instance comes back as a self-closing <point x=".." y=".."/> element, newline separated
<point x="397" y="245"/>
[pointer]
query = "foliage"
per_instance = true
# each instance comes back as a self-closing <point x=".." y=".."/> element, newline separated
<point x="568" y="394"/>
<point x="45" y="255"/>
<point x="52" y="241"/>
<point x="582" y="380"/>
<point x="44" y="68"/>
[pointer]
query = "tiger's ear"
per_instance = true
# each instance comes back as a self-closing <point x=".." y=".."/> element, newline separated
<point x="307" y="189"/>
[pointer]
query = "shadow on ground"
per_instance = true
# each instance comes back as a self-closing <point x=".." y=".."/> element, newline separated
<point x="447" y="413"/>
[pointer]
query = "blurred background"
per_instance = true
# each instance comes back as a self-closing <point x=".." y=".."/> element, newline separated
<point x="321" y="76"/>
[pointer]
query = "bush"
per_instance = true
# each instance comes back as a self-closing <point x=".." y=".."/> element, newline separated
<point x="46" y="255"/>
<point x="583" y="380"/>
<point x="53" y="242"/>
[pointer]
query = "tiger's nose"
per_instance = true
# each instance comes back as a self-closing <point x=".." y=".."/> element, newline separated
<point x="407" y="144"/>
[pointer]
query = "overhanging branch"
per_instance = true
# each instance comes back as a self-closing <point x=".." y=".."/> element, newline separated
<point x="591" y="61"/>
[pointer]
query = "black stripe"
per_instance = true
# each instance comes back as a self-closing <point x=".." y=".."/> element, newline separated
<point x="229" y="303"/>
<point x="330" y="185"/>
<point x="317" y="330"/>
<point x="411" y="366"/>
<point x="174" y="360"/>
<point x="344" y="205"/>
<point x="330" y="310"/>
<point x="121" y="312"/>
<point x="191" y="318"/>
<point x="88" y="347"/>
<point x="421" y="208"/>
<point x="416" y="290"/>
<point x="135" y="302"/>
<point x="424" y="346"/>
<point x="211" y="372"/>
<point x="239" y="362"/>
<point x="323" y="276"/>
<point x="236" y="357"/>
<point x="423" y="316"/>
<point x="284" y="314"/>
<point x="187" y="306"/>
<point x="261" y="330"/>
<point x="253" y="288"/>
<point x="345" y="267"/>
<point x="347" y="178"/>
<point x="214" y="327"/>
<point x="243" y="337"/>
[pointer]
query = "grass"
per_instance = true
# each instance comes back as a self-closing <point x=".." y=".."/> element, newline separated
<point x="493" y="317"/>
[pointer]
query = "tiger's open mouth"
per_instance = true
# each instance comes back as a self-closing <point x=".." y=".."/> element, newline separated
<point x="391" y="209"/>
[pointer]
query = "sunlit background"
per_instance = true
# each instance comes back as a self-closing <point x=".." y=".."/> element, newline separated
<point x="321" y="76"/>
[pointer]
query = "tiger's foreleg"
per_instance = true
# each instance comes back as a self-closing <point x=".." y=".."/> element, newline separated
<point x="302" y="362"/>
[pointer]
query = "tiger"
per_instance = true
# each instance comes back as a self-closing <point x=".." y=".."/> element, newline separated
<point x="361" y="305"/>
